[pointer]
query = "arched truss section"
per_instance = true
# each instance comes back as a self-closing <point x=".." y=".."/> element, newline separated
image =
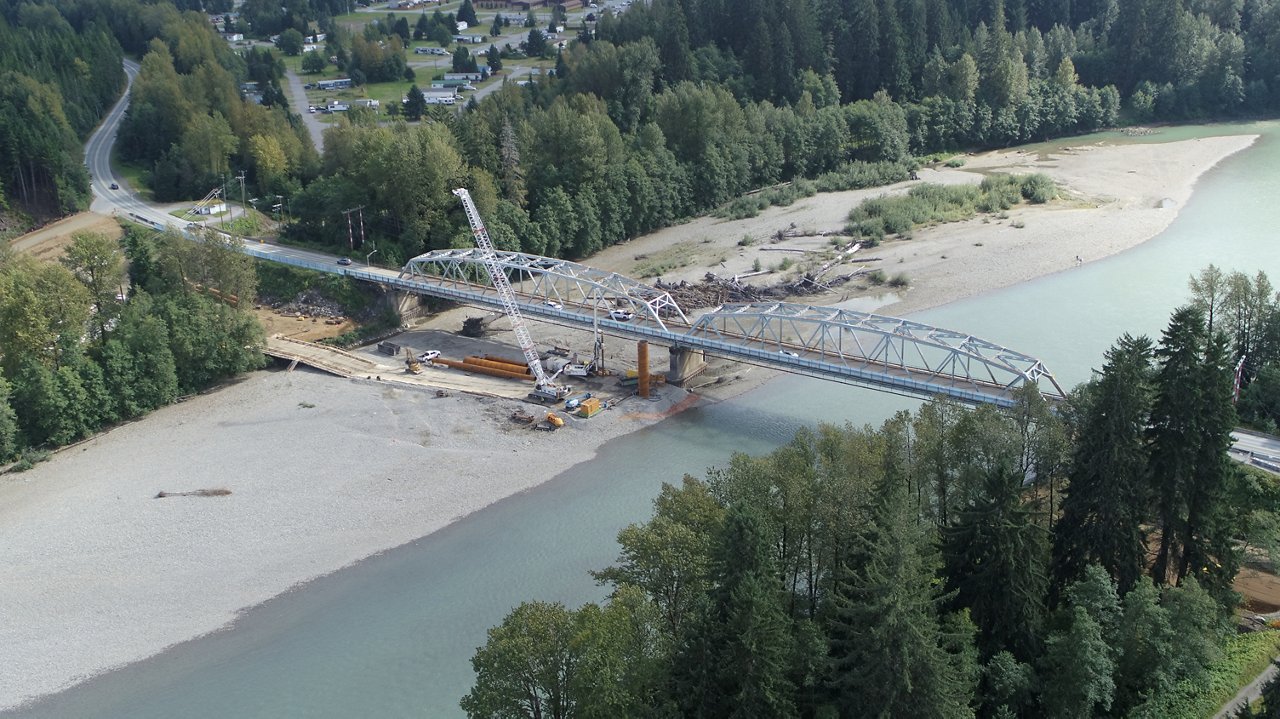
<point x="545" y="279"/>
<point x="860" y="342"/>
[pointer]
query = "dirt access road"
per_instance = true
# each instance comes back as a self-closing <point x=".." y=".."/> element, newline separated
<point x="49" y="242"/>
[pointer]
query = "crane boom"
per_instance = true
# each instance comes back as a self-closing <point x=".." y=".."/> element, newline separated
<point x="544" y="389"/>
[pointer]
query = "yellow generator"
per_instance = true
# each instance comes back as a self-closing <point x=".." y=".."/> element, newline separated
<point x="590" y="407"/>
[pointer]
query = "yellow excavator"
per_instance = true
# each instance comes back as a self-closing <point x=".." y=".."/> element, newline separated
<point x="411" y="363"/>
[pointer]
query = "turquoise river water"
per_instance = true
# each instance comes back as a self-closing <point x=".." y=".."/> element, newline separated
<point x="392" y="636"/>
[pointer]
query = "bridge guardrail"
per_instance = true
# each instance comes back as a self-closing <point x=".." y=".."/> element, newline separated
<point x="894" y="383"/>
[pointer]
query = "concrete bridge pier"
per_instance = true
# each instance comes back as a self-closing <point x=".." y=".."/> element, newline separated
<point x="408" y="304"/>
<point x="685" y="364"/>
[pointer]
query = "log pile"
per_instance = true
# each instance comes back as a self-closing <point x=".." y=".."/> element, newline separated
<point x="715" y="290"/>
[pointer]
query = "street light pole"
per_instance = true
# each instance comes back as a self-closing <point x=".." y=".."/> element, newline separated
<point x="369" y="256"/>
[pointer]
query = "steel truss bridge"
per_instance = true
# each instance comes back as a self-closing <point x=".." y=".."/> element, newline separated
<point x="884" y="353"/>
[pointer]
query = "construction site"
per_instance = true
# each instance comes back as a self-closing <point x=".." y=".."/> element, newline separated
<point x="569" y="375"/>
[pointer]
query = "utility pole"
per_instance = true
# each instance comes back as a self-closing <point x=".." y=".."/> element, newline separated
<point x="243" y="204"/>
<point x="351" y="243"/>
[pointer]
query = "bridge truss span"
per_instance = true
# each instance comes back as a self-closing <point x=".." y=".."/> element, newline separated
<point x="548" y="280"/>
<point x="898" y="354"/>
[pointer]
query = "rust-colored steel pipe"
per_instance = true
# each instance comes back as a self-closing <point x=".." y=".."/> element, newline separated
<point x="504" y="360"/>
<point x="479" y="369"/>
<point x="642" y="369"/>
<point x="481" y="362"/>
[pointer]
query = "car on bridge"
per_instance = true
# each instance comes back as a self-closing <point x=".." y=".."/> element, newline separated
<point x="344" y="261"/>
<point x="621" y="315"/>
<point x="553" y="305"/>
<point x="115" y="186"/>
<point x="788" y="353"/>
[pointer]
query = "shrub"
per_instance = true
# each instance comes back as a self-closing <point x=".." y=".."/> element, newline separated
<point x="1243" y="658"/>
<point x="859" y="175"/>
<point x="957" y="161"/>
<point x="1038" y="189"/>
<point x="29" y="459"/>
<point x="876" y="277"/>
<point x="899" y="280"/>
<point x="929" y="203"/>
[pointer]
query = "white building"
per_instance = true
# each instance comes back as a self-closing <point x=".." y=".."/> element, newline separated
<point x="216" y="207"/>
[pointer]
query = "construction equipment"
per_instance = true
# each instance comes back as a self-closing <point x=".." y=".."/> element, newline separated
<point x="543" y="389"/>
<point x="411" y="363"/>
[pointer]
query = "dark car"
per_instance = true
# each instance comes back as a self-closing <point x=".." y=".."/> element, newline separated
<point x="344" y="261"/>
<point x="114" y="186"/>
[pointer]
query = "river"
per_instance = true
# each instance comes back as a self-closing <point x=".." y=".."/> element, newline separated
<point x="392" y="636"/>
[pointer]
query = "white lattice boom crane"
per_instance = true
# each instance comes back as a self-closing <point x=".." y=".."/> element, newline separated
<point x="543" y="388"/>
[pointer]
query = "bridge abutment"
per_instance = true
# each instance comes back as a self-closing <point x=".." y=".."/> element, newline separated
<point x="685" y="364"/>
<point x="409" y="305"/>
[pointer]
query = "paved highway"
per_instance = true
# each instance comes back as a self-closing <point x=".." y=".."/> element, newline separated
<point x="97" y="152"/>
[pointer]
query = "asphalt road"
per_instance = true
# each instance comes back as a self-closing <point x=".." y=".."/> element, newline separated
<point x="1260" y="450"/>
<point x="97" y="151"/>
<point x="298" y="98"/>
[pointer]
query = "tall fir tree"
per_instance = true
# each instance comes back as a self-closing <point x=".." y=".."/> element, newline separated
<point x="1211" y="554"/>
<point x="996" y="562"/>
<point x="1104" y="506"/>
<point x="733" y="662"/>
<point x="1174" y="433"/>
<point x="889" y="651"/>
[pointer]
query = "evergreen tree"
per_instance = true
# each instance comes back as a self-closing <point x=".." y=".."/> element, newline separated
<point x="1211" y="554"/>
<point x="889" y="653"/>
<point x="996" y="559"/>
<point x="1174" y="433"/>
<point x="416" y="105"/>
<point x="1077" y="670"/>
<point x="467" y="14"/>
<point x="1104" y="506"/>
<point x="1145" y="646"/>
<point x="733" y="661"/>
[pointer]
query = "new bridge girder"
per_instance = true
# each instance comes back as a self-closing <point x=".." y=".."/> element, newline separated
<point x="886" y="353"/>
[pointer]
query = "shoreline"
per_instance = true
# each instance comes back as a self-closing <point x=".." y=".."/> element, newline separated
<point x="324" y="472"/>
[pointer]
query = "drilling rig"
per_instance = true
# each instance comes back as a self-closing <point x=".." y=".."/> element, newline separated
<point x="543" y="390"/>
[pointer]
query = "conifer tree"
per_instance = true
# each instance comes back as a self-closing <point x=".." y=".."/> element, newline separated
<point x="996" y="559"/>
<point x="1077" y="670"/>
<point x="734" y="659"/>
<point x="1211" y="554"/>
<point x="1174" y="432"/>
<point x="1104" y="506"/>
<point x="889" y="654"/>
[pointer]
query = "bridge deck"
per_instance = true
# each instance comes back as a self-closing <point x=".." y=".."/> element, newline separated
<point x="883" y="353"/>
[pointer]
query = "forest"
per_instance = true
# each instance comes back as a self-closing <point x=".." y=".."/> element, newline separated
<point x="1074" y="561"/>
<point x="77" y="355"/>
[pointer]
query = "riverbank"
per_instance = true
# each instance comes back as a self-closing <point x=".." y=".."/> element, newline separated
<point x="322" y="472"/>
<point x="1115" y="196"/>
<point x="319" y="472"/>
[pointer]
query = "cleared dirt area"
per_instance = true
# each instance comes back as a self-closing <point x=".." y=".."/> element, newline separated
<point x="302" y="327"/>
<point x="1261" y="590"/>
<point x="49" y="242"/>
